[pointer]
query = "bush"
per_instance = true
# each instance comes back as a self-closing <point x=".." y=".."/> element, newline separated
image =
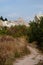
<point x="36" y="32"/>
<point x="11" y="48"/>
<point x="16" y="31"/>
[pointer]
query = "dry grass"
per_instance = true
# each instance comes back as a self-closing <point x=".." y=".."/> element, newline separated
<point x="40" y="63"/>
<point x="11" y="48"/>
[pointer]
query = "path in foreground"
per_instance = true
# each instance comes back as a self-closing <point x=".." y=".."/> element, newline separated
<point x="31" y="59"/>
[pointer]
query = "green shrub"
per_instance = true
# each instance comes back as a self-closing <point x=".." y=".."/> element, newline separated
<point x="36" y="32"/>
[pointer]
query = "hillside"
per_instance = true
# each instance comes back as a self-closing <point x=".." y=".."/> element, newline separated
<point x="17" y="41"/>
<point x="9" y="23"/>
<point x="12" y="48"/>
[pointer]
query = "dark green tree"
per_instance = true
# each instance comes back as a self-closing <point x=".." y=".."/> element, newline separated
<point x="6" y="19"/>
<point x="36" y="32"/>
<point x="1" y="18"/>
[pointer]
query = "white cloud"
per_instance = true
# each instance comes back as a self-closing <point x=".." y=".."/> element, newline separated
<point x="12" y="15"/>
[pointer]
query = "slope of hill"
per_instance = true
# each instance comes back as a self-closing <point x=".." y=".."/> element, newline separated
<point x="20" y="21"/>
<point x="12" y="48"/>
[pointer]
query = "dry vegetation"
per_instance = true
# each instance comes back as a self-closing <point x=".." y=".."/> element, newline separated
<point x="40" y="63"/>
<point x="13" y="42"/>
<point x="11" y="48"/>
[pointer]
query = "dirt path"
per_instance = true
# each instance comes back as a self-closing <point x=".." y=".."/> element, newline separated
<point x="31" y="59"/>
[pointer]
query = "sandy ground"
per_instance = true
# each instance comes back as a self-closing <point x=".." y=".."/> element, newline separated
<point x="31" y="59"/>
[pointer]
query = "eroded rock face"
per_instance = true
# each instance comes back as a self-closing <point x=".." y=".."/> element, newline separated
<point x="1" y="23"/>
<point x="19" y="21"/>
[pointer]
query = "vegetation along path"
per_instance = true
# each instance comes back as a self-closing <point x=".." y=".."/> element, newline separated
<point x="31" y="59"/>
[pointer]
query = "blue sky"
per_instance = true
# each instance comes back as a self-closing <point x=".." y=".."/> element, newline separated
<point x="26" y="9"/>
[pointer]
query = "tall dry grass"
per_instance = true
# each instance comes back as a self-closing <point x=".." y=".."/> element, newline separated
<point x="11" y="48"/>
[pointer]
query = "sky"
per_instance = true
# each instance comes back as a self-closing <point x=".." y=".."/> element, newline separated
<point x="27" y="9"/>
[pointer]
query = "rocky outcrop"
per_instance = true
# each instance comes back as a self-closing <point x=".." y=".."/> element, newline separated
<point x="20" y="21"/>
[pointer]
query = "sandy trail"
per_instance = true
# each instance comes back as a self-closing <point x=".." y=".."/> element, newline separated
<point x="31" y="59"/>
